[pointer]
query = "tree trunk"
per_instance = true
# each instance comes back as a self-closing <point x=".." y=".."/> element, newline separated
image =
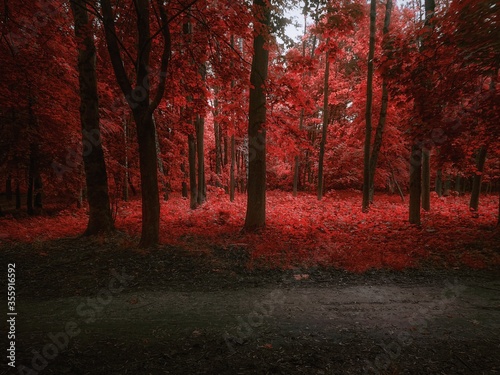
<point x="368" y="113"/>
<point x="377" y="143"/>
<point x="18" y="196"/>
<point x="100" y="218"/>
<point x="426" y="180"/>
<point x="160" y="162"/>
<point x="439" y="183"/>
<point x="325" y="122"/>
<point x="296" y="175"/>
<point x="148" y="167"/>
<point x="8" y="188"/>
<point x="233" y="161"/>
<point x="126" y="177"/>
<point x="193" y="190"/>
<point x="476" y="183"/>
<point x="256" y="195"/>
<point x="200" y="149"/>
<point x="142" y="103"/>
<point x="218" y="149"/>
<point x="37" y="200"/>
<point x="415" y="183"/>
<point x="31" y="179"/>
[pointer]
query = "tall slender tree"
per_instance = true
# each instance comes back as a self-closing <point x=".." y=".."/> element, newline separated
<point x="100" y="218"/>
<point x="141" y="102"/>
<point x="377" y="142"/>
<point x="256" y="190"/>
<point x="326" y="92"/>
<point x="369" y="105"/>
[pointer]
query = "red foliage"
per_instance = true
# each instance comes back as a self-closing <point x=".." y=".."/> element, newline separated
<point x="305" y="232"/>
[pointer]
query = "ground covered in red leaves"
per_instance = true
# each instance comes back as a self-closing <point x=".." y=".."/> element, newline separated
<point x="305" y="232"/>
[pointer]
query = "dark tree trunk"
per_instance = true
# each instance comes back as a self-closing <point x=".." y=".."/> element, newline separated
<point x="232" y="181"/>
<point x="296" y="175"/>
<point x="476" y="183"/>
<point x="18" y="196"/>
<point x="368" y="113"/>
<point x="125" y="164"/>
<point x="377" y="143"/>
<point x="200" y="150"/>
<point x="439" y="183"/>
<point x="142" y="103"/>
<point x="256" y="196"/>
<point x="149" y="177"/>
<point x="31" y="179"/>
<point x="193" y="190"/>
<point x="218" y="150"/>
<point x="8" y="188"/>
<point x="100" y="218"/>
<point x="37" y="200"/>
<point x="426" y="180"/>
<point x="325" y="123"/>
<point x="415" y="183"/>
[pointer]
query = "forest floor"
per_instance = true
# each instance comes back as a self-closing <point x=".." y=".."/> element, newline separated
<point x="112" y="310"/>
<point x="322" y="290"/>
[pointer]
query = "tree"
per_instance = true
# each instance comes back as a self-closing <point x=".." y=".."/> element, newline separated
<point x="256" y="195"/>
<point x="369" y="104"/>
<point x="377" y="143"/>
<point x="100" y="218"/>
<point x="417" y="148"/>
<point x="325" y="121"/>
<point x="141" y="102"/>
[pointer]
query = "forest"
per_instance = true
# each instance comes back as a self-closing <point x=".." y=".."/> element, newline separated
<point x="199" y="140"/>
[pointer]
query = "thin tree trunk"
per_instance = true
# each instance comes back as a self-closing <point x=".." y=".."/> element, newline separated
<point x="8" y="188"/>
<point x="415" y="183"/>
<point x="296" y="164"/>
<point x="126" y="177"/>
<point x="18" y="196"/>
<point x="296" y="175"/>
<point x="325" y="122"/>
<point x="233" y="161"/>
<point x="200" y="145"/>
<point x="31" y="179"/>
<point x="193" y="190"/>
<point x="368" y="113"/>
<point x="439" y="183"/>
<point x="100" y="217"/>
<point x="38" y="186"/>
<point x="218" y="150"/>
<point x="426" y="180"/>
<point x="377" y="143"/>
<point x="256" y="186"/>
<point x="476" y="183"/>
<point x="200" y="149"/>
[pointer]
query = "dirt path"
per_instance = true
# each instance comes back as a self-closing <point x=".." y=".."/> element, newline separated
<point x="288" y="327"/>
<point x="99" y="307"/>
